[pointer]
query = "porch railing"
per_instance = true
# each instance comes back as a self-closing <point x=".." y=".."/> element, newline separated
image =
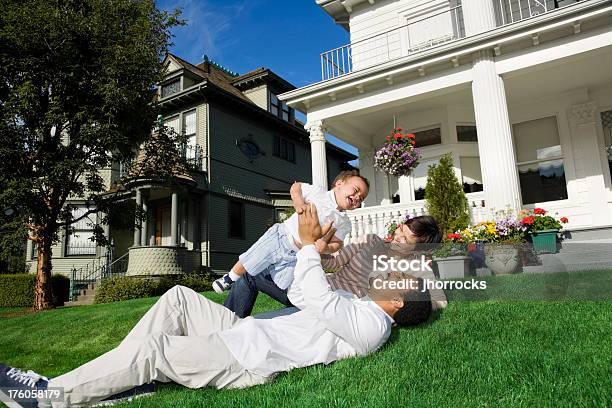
<point x="423" y="34"/>
<point x="374" y="220"/>
<point x="100" y="268"/>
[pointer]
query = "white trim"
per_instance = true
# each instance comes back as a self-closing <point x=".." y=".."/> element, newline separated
<point x="458" y="48"/>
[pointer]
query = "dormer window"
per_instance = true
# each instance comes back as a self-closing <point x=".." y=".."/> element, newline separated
<point x="280" y="108"/>
<point x="170" y="88"/>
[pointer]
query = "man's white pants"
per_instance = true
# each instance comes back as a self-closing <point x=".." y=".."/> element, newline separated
<point x="176" y="340"/>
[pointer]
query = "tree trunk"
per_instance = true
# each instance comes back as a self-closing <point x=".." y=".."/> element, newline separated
<point x="42" y="291"/>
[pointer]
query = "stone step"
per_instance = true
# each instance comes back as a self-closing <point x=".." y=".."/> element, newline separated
<point x="79" y="303"/>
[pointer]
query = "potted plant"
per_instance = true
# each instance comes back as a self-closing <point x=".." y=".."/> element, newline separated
<point x="502" y="239"/>
<point x="452" y="258"/>
<point x="398" y="156"/>
<point x="543" y="229"/>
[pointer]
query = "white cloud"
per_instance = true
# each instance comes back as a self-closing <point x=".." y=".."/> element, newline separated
<point x="209" y="28"/>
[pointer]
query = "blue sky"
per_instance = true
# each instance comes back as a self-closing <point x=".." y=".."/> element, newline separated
<point x="286" y="36"/>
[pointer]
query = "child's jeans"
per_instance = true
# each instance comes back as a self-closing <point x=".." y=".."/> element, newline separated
<point x="273" y="253"/>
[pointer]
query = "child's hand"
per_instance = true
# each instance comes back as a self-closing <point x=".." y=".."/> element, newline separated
<point x="300" y="209"/>
<point x="320" y="245"/>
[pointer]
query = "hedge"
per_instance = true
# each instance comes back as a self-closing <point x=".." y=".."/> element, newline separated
<point x="124" y="288"/>
<point x="17" y="290"/>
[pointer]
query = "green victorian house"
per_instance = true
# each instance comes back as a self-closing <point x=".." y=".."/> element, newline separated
<point x="244" y="149"/>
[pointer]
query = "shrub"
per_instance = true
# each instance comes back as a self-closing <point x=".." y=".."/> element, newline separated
<point x="444" y="197"/>
<point x="17" y="290"/>
<point x="124" y="288"/>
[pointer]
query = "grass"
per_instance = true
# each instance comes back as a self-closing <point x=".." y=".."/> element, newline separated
<point x="476" y="353"/>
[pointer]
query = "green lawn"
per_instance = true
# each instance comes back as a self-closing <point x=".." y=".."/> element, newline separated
<point x="476" y="353"/>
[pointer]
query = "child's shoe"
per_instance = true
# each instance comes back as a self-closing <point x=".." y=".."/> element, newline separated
<point x="222" y="284"/>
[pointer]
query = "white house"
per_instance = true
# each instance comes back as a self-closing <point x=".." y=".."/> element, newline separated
<point x="519" y="91"/>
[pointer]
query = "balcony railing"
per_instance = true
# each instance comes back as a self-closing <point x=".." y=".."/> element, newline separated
<point x="423" y="34"/>
<point x="192" y="155"/>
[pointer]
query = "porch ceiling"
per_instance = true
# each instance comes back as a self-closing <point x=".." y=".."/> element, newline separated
<point x="358" y="127"/>
<point x="589" y="71"/>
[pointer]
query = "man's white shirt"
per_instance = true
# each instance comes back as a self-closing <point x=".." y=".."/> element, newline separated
<point x="327" y="210"/>
<point x="330" y="326"/>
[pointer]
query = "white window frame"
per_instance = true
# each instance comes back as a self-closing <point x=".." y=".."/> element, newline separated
<point x="86" y="225"/>
<point x="527" y="162"/>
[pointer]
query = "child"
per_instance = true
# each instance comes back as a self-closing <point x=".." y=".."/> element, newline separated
<point x="276" y="250"/>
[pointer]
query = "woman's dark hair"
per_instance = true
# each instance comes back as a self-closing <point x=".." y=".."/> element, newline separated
<point x="426" y="229"/>
<point x="417" y="306"/>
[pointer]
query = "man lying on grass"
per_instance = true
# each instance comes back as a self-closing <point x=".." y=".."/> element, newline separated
<point x="195" y="342"/>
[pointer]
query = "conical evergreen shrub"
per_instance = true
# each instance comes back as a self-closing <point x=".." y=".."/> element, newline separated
<point x="445" y="199"/>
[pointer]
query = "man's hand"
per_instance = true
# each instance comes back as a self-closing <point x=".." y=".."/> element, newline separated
<point x="309" y="228"/>
<point x="322" y="244"/>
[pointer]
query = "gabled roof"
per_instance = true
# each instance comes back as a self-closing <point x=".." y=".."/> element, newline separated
<point x="210" y="72"/>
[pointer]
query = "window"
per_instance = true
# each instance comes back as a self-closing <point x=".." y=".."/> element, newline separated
<point x="467" y="133"/>
<point x="280" y="108"/>
<point x="284" y="149"/>
<point x="173" y="123"/>
<point x="428" y="137"/>
<point x="471" y="175"/>
<point x="419" y="177"/>
<point x="189" y="127"/>
<point x="34" y="253"/>
<point x="606" y="122"/>
<point x="540" y="160"/>
<point x="79" y="242"/>
<point x="170" y="88"/>
<point x="236" y="220"/>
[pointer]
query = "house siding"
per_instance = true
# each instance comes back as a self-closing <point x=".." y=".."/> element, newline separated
<point x="259" y="96"/>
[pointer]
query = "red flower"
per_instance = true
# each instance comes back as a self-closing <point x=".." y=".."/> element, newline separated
<point x="539" y="211"/>
<point x="399" y="129"/>
<point x="471" y="247"/>
<point x="564" y="220"/>
<point x="453" y="236"/>
<point x="413" y="143"/>
<point x="398" y="135"/>
<point x="410" y="136"/>
<point x="528" y="220"/>
<point x="388" y="137"/>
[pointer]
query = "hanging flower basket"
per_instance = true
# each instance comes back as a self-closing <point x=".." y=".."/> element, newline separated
<point x="398" y="156"/>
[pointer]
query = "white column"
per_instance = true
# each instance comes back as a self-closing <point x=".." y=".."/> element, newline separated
<point x="137" y="220"/>
<point x="144" y="233"/>
<point x="495" y="144"/>
<point x="406" y="189"/>
<point x="174" y="220"/>
<point x="385" y="189"/>
<point x="367" y="170"/>
<point x="478" y="16"/>
<point x="317" y="148"/>
<point x="584" y="122"/>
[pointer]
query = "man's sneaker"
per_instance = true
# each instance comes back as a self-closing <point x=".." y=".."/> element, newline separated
<point x="222" y="284"/>
<point x="17" y="387"/>
<point x="128" y="395"/>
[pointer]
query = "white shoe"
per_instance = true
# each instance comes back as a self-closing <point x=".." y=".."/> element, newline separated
<point x="222" y="284"/>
